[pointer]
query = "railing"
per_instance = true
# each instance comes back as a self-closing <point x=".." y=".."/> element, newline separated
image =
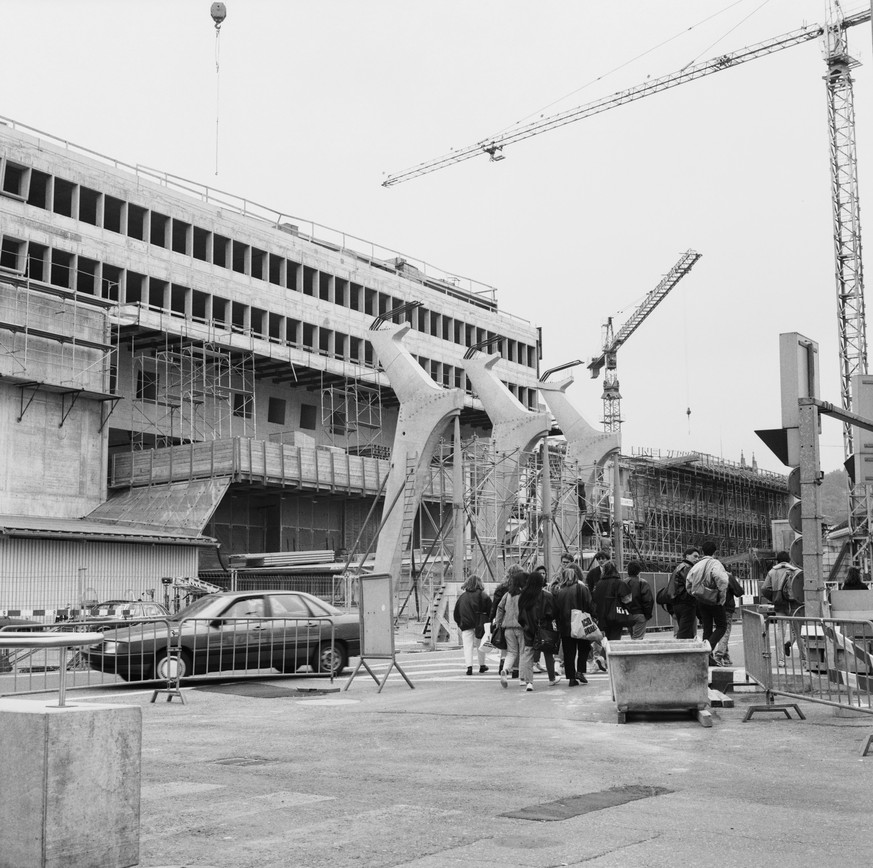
<point x="822" y="660"/>
<point x="168" y="651"/>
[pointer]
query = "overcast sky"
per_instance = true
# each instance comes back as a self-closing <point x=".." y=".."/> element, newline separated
<point x="319" y="101"/>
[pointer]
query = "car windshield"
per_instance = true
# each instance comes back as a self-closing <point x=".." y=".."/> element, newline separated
<point x="203" y="607"/>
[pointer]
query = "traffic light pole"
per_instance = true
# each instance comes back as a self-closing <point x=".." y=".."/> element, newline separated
<point x="810" y="508"/>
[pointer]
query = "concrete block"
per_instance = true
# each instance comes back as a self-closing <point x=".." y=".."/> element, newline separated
<point x="70" y="785"/>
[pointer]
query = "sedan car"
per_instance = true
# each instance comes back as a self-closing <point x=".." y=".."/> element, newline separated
<point x="128" y="610"/>
<point x="250" y="631"/>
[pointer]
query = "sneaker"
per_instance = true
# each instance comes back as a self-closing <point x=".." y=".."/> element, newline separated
<point x="503" y="681"/>
<point x="554" y="682"/>
<point x="787" y="647"/>
<point x="469" y="670"/>
<point x="582" y="678"/>
<point x="529" y="687"/>
<point x="726" y="661"/>
<point x="572" y="683"/>
<point x="538" y="667"/>
<point x="483" y="669"/>
<point x="601" y="663"/>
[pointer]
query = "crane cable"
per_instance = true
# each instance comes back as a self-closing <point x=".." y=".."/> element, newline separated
<point x="628" y="63"/>
<point x="713" y="44"/>
<point x="217" y="86"/>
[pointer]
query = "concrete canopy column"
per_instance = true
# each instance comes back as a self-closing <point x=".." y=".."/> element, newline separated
<point x="425" y="410"/>
<point x="515" y="431"/>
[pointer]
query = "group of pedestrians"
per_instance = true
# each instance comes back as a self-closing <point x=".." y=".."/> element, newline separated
<point x="537" y="622"/>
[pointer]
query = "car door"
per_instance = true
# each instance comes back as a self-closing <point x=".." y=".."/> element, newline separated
<point x="242" y="628"/>
<point x="293" y="632"/>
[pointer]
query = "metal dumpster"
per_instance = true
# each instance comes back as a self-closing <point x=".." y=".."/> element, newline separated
<point x="657" y="674"/>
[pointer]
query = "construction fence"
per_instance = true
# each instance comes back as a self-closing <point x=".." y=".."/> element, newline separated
<point x="824" y="660"/>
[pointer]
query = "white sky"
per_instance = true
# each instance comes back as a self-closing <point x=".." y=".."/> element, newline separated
<point x="320" y="100"/>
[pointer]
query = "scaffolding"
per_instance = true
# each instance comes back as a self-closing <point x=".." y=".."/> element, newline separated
<point x="682" y="499"/>
<point x="351" y="415"/>
<point x="186" y="391"/>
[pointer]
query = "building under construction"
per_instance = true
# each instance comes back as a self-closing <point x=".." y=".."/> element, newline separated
<point x="188" y="384"/>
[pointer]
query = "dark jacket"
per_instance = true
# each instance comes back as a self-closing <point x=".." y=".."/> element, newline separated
<point x="682" y="597"/>
<point x="567" y="598"/>
<point x="541" y="613"/>
<point x="735" y="589"/>
<point x="593" y="578"/>
<point x="468" y="608"/>
<point x="642" y="602"/>
<point x="499" y="591"/>
<point x="607" y="592"/>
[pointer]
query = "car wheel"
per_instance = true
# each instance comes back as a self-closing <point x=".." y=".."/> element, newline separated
<point x="329" y="658"/>
<point x="170" y="666"/>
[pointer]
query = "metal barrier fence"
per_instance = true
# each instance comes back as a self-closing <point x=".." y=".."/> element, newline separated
<point x="169" y="650"/>
<point x="823" y="660"/>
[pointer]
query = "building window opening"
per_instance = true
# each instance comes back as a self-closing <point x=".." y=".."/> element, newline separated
<point x="355" y="296"/>
<point x="219" y="310"/>
<point x="292" y="332"/>
<point x="239" y="256"/>
<point x="370" y="302"/>
<point x="354" y="349"/>
<point x="276" y="269"/>
<point x="61" y="268"/>
<point x="257" y="318"/>
<point x="339" y="345"/>
<point x="307" y="416"/>
<point x="110" y="279"/>
<point x="275" y="325"/>
<point x="180" y="236"/>
<point x="15" y="181"/>
<point x="112" y="212"/>
<point x="308" y="336"/>
<point x="258" y="259"/>
<point x="242" y="405"/>
<point x="159" y="229"/>
<point x="63" y="199"/>
<point x="324" y="286"/>
<point x="36" y="261"/>
<point x="89" y="201"/>
<point x="37" y="195"/>
<point x="276" y="411"/>
<point x="340" y="291"/>
<point x="291" y="269"/>
<point x="220" y="246"/>
<point x="200" y="245"/>
<point x="198" y="305"/>
<point x="178" y="294"/>
<point x="133" y="287"/>
<point x="158" y="293"/>
<point x="310" y="276"/>
<point x="136" y="222"/>
<point x="238" y="311"/>
<point x="324" y="341"/>
<point x="368" y="354"/>
<point x="12" y="255"/>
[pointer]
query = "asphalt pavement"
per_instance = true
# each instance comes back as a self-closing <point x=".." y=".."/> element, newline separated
<point x="292" y="771"/>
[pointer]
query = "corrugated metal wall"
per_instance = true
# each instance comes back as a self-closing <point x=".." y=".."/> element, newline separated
<point x="53" y="574"/>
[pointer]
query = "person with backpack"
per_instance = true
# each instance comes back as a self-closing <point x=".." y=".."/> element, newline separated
<point x="683" y="604"/>
<point x="506" y="616"/>
<point x="611" y="596"/>
<point x="500" y="591"/>
<point x="707" y="583"/>
<point x="536" y="610"/>
<point x="471" y="612"/>
<point x="777" y="588"/>
<point x="572" y="594"/>
<point x="721" y="652"/>
<point x="642" y="602"/>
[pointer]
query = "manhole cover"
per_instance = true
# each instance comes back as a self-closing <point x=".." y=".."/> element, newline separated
<point x="259" y="690"/>
<point x="575" y="806"/>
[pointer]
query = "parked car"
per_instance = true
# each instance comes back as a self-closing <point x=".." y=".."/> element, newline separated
<point x="129" y="610"/>
<point x="18" y="624"/>
<point x="251" y="630"/>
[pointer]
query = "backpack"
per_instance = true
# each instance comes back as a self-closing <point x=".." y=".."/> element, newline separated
<point x="786" y="592"/>
<point x="664" y="599"/>
<point x="700" y="584"/>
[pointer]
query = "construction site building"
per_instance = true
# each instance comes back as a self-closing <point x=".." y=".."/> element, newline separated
<point x="178" y="361"/>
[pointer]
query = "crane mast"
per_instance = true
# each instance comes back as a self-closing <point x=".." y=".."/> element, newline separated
<point x="611" y="342"/>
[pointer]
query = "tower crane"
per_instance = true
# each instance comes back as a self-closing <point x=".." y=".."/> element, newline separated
<point x="612" y="341"/>
<point x="844" y="192"/>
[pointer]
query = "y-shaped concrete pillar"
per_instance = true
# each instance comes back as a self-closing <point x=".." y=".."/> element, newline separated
<point x="585" y="445"/>
<point x="425" y="409"/>
<point x="515" y="431"/>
